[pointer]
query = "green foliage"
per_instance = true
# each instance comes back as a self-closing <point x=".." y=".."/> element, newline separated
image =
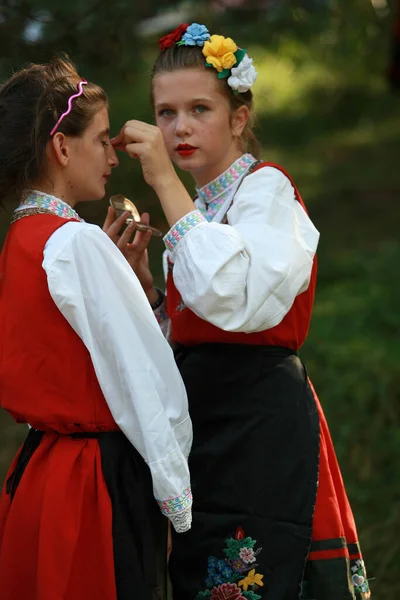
<point x="251" y="595"/>
<point x="233" y="546"/>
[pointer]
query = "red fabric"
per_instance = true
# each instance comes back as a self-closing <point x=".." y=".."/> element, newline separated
<point x="333" y="517"/>
<point x="189" y="329"/>
<point x="56" y="535"/>
<point x="42" y="353"/>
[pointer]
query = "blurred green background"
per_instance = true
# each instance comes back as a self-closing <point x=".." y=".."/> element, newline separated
<point x="329" y="114"/>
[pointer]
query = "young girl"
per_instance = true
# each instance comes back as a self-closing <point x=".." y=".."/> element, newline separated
<point x="84" y="362"/>
<point x="271" y="518"/>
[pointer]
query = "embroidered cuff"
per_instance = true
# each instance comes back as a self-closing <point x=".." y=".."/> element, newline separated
<point x="188" y="222"/>
<point x="178" y="510"/>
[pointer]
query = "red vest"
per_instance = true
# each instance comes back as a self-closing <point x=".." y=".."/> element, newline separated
<point x="189" y="329"/>
<point x="46" y="375"/>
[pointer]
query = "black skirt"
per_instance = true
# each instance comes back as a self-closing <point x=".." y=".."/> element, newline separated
<point x="254" y="471"/>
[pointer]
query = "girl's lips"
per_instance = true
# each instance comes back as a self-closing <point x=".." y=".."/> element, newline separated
<point x="185" y="150"/>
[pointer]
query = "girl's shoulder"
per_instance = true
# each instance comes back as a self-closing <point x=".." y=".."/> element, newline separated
<point x="262" y="164"/>
<point x="261" y="167"/>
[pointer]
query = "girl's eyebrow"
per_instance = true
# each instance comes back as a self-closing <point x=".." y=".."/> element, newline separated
<point x="104" y="133"/>
<point x="192" y="101"/>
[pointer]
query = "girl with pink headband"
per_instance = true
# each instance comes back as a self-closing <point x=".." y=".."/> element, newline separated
<point x="83" y="511"/>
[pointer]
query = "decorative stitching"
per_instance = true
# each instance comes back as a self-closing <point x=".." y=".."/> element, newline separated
<point x="359" y="578"/>
<point x="41" y="203"/>
<point x="185" y="224"/>
<point x="209" y="191"/>
<point x="176" y="505"/>
<point x="235" y="576"/>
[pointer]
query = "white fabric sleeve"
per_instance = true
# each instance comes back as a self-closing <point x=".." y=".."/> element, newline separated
<point x="246" y="275"/>
<point x="100" y="296"/>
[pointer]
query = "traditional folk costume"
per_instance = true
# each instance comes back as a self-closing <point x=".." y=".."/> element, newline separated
<point x="271" y="518"/>
<point x="83" y="361"/>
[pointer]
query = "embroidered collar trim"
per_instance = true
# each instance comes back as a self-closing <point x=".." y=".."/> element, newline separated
<point x="220" y="184"/>
<point x="46" y="203"/>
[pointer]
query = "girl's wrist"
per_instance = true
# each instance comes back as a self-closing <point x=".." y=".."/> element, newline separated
<point x="155" y="297"/>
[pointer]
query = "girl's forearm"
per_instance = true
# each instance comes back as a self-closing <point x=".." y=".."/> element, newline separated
<point x="174" y="198"/>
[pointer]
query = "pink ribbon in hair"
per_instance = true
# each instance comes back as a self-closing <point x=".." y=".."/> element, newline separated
<point x="80" y="86"/>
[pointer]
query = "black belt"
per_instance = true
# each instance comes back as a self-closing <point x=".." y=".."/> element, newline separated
<point x="215" y="348"/>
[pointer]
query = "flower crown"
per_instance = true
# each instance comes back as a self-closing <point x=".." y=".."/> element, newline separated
<point x="221" y="53"/>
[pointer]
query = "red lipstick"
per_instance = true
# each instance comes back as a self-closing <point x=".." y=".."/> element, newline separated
<point x="185" y="149"/>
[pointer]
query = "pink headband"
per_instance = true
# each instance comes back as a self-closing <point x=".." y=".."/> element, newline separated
<point x="80" y="84"/>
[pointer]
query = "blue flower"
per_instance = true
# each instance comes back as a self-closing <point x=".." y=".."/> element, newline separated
<point x="209" y="582"/>
<point x="226" y="572"/>
<point x="212" y="562"/>
<point x="196" y="35"/>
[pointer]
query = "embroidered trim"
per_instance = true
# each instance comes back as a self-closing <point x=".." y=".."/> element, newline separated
<point x="359" y="578"/>
<point x="211" y="190"/>
<point x="175" y="505"/>
<point x="235" y="576"/>
<point x="41" y="203"/>
<point x="188" y="222"/>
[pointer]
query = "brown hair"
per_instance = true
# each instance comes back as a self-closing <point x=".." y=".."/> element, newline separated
<point x="31" y="102"/>
<point x="189" y="57"/>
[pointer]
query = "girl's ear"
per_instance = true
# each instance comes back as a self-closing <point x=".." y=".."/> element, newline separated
<point x="239" y="120"/>
<point x="58" y="149"/>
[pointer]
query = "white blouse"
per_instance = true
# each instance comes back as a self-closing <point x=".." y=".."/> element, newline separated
<point x="244" y="275"/>
<point x="99" y="295"/>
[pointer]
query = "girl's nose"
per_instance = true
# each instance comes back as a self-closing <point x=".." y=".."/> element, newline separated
<point x="112" y="157"/>
<point x="182" y="125"/>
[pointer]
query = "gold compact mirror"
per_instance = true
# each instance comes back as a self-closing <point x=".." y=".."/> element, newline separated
<point x="121" y="204"/>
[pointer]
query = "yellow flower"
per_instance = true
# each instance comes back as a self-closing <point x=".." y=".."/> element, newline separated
<point x="251" y="579"/>
<point x="219" y="52"/>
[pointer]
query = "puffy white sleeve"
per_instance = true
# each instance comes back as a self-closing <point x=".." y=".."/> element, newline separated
<point x="246" y="275"/>
<point x="100" y="296"/>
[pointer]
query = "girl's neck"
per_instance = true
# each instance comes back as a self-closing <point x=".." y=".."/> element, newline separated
<point x="54" y="186"/>
<point x="203" y="177"/>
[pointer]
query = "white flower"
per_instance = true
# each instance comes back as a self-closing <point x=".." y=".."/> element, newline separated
<point x="247" y="555"/>
<point x="243" y="76"/>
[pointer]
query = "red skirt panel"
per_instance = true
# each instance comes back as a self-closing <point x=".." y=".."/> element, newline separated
<point x="56" y="534"/>
<point x="335" y="554"/>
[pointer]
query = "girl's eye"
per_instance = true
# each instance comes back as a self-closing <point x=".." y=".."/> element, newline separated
<point x="166" y="112"/>
<point x="105" y="143"/>
<point x="200" y="108"/>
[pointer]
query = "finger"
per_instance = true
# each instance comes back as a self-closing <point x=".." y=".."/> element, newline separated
<point x="135" y="149"/>
<point x="145" y="218"/>
<point x="119" y="147"/>
<point x="140" y="242"/>
<point x="141" y="126"/>
<point x="116" y="226"/>
<point x="126" y="236"/>
<point x="109" y="218"/>
<point x="119" y="138"/>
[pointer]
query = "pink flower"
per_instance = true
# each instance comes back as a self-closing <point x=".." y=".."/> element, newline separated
<point x="227" y="591"/>
<point x="247" y="555"/>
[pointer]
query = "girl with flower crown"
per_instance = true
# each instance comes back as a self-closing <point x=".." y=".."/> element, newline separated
<point x="92" y="374"/>
<point x="271" y="518"/>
